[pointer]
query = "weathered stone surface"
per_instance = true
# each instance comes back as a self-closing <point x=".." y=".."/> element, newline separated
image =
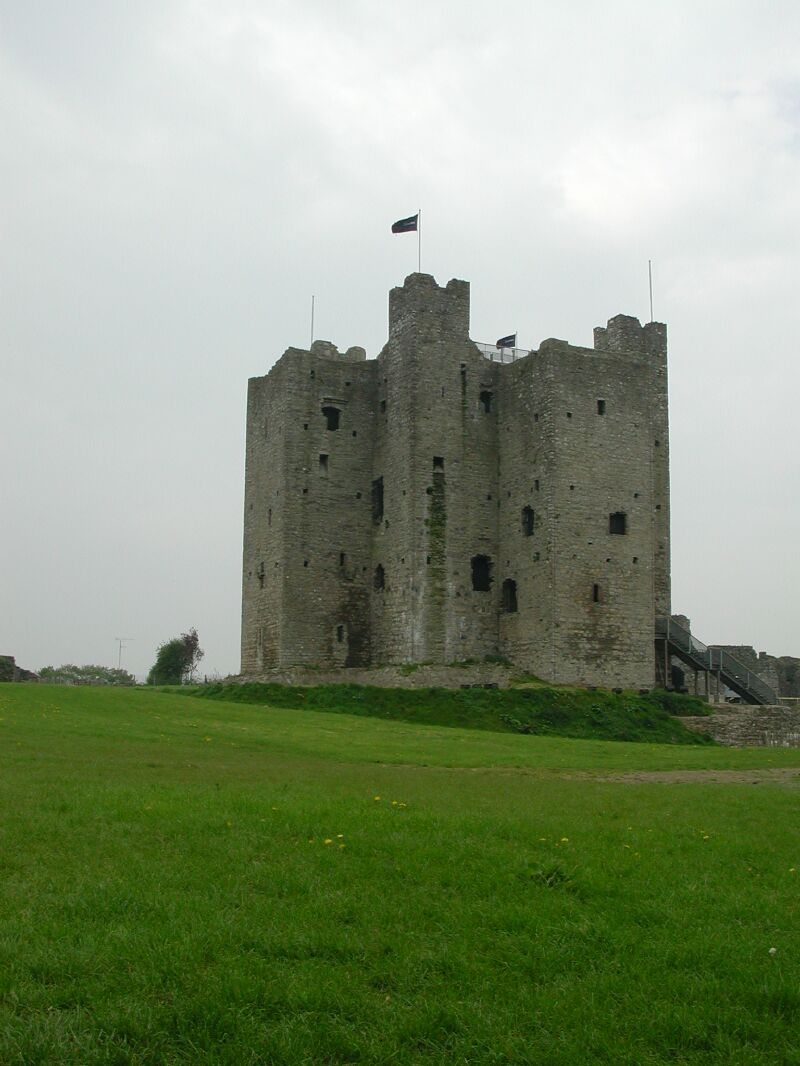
<point x="362" y="542"/>
<point x="751" y="727"/>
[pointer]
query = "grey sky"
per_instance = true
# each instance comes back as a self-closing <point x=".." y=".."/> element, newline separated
<point x="177" y="178"/>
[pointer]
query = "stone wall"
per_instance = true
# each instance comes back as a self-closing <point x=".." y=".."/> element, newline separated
<point x="738" y="726"/>
<point x="459" y="508"/>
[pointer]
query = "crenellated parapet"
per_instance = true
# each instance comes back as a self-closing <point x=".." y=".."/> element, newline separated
<point x="625" y="334"/>
<point x="425" y="308"/>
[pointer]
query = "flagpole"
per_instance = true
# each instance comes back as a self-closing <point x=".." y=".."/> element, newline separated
<point x="419" y="240"/>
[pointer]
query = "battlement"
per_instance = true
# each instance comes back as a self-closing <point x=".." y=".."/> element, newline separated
<point x="424" y="307"/>
<point x="624" y="333"/>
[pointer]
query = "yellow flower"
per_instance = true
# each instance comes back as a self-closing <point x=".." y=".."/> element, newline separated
<point x="327" y="840"/>
<point x="339" y="836"/>
<point x="565" y="840"/>
<point x="376" y="798"/>
<point x="394" y="803"/>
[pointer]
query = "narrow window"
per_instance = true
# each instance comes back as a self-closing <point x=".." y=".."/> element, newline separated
<point x="379" y="578"/>
<point x="331" y="415"/>
<point x="305" y="425"/>
<point x="377" y="499"/>
<point x="383" y="405"/>
<point x="339" y="634"/>
<point x="269" y="516"/>
<point x="342" y="558"/>
<point x="438" y="464"/>
<point x="601" y="407"/>
<point x="486" y="402"/>
<point x="618" y="522"/>
<point x="313" y="374"/>
<point x="510" y="596"/>
<point x="481" y="573"/>
<point x="323" y="465"/>
<point x="528" y="521"/>
<point x="595" y="593"/>
<point x="536" y="485"/>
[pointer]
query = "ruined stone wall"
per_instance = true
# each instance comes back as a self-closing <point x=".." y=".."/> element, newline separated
<point x="460" y="508"/>
<point x="750" y="727"/>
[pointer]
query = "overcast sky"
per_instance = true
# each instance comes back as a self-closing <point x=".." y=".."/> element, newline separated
<point x="177" y="177"/>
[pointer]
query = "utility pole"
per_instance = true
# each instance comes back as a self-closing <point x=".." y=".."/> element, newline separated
<point x="122" y="642"/>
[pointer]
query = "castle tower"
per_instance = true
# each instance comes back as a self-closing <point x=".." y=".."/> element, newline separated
<point x="432" y="505"/>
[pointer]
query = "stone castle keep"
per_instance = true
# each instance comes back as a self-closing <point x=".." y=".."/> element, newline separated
<point x="434" y="505"/>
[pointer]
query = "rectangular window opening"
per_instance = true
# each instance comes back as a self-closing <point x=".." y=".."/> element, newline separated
<point x="595" y="593"/>
<point x="481" y="573"/>
<point x="618" y="523"/>
<point x="528" y="521"/>
<point x="601" y="407"/>
<point x="377" y="499"/>
<point x="339" y="634"/>
<point x="438" y="464"/>
<point x="323" y="464"/>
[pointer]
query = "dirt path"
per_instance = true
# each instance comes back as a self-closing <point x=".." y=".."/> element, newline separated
<point x="788" y="776"/>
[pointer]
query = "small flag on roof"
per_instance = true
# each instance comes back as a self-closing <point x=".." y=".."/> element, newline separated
<point x="507" y="342"/>
<point x="405" y="225"/>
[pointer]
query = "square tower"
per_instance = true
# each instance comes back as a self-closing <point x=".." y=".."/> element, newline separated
<point x="435" y="505"/>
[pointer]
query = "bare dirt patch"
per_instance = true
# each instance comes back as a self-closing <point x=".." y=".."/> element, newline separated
<point x="788" y="776"/>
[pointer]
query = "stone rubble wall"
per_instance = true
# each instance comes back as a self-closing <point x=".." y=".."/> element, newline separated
<point x="740" y="726"/>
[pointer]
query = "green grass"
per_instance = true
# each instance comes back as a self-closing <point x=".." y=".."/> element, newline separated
<point x="167" y="896"/>
<point x="543" y="709"/>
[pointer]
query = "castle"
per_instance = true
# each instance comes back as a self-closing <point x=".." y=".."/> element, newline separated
<point x="437" y="505"/>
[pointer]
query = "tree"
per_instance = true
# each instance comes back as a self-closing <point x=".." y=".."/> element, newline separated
<point x="89" y="674"/>
<point x="176" y="660"/>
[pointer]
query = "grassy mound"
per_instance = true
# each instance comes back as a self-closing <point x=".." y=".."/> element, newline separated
<point x="565" y="712"/>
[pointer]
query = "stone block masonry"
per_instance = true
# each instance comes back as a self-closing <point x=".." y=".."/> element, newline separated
<point x="433" y="506"/>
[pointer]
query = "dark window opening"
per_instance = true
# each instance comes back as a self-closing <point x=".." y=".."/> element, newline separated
<point x="535" y="418"/>
<point x="528" y="521"/>
<point x="635" y="559"/>
<point x="536" y="485"/>
<point x="358" y="495"/>
<point x="427" y="560"/>
<point x="377" y="499"/>
<point x="463" y="377"/>
<point x="569" y="414"/>
<point x="305" y="425"/>
<point x="340" y="634"/>
<point x="305" y="562"/>
<point x="486" y="402"/>
<point x="601" y="407"/>
<point x="355" y="434"/>
<point x="438" y="464"/>
<point x="269" y="516"/>
<point x="595" y="593"/>
<point x="313" y="374"/>
<point x="305" y="492"/>
<point x="331" y="415"/>
<point x="383" y="405"/>
<point x="379" y="578"/>
<point x="509" y="596"/>
<point x="618" y="522"/>
<point x="323" y="464"/>
<point x="658" y="443"/>
<point x="481" y="573"/>
<point x="342" y="558"/>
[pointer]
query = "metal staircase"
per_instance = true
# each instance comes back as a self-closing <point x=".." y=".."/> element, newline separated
<point x="677" y="640"/>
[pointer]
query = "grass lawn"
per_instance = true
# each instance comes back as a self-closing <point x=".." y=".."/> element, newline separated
<point x="193" y="881"/>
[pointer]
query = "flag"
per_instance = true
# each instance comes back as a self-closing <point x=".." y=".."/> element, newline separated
<point x="507" y="342"/>
<point x="405" y="225"/>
